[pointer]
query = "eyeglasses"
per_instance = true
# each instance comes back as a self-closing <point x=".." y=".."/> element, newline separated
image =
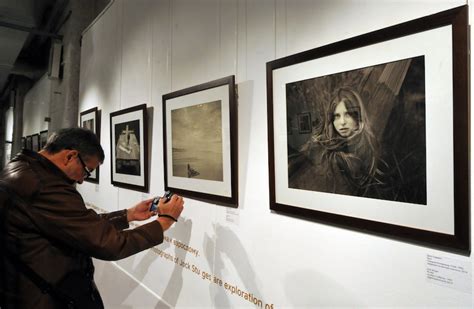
<point x="86" y="170"/>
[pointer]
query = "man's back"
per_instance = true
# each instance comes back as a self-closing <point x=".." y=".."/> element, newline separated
<point x="30" y="196"/>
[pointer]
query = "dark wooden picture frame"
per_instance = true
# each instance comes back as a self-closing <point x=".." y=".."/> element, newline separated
<point x="129" y="148"/>
<point x="371" y="214"/>
<point x="90" y="119"/>
<point x="29" y="142"/>
<point x="35" y="142"/>
<point x="200" y="142"/>
<point x="43" y="138"/>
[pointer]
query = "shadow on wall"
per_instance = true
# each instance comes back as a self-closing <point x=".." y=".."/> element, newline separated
<point x="115" y="285"/>
<point x="173" y="289"/>
<point x="230" y="247"/>
<point x="116" y="294"/>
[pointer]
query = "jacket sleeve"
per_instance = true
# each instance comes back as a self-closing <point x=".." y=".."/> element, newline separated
<point x="117" y="218"/>
<point x="60" y="214"/>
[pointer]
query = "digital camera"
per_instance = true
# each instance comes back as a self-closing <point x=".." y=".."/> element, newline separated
<point x="154" y="204"/>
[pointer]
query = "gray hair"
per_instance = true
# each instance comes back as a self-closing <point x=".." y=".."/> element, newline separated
<point x="80" y="139"/>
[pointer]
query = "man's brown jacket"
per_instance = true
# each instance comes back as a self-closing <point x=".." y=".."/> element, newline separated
<point x="53" y="232"/>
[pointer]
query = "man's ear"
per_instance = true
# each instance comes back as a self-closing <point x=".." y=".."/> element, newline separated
<point x="69" y="155"/>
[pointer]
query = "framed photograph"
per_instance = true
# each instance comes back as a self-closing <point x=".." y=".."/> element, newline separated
<point x="385" y="118"/>
<point x="35" y="142"/>
<point x="129" y="148"/>
<point x="29" y="142"/>
<point x="43" y="136"/>
<point x="90" y="119"/>
<point x="200" y="142"/>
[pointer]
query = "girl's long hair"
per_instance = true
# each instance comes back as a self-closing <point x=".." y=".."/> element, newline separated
<point x="354" y="156"/>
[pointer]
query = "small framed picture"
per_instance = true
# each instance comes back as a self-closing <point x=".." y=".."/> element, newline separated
<point x="43" y="138"/>
<point x="200" y="141"/>
<point x="90" y="119"/>
<point x="29" y="142"/>
<point x="129" y="148"/>
<point x="23" y="142"/>
<point x="35" y="142"/>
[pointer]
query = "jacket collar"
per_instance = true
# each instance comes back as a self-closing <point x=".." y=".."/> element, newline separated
<point x="33" y="156"/>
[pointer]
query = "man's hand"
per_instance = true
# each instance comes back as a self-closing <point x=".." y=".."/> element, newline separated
<point x="172" y="208"/>
<point x="140" y="211"/>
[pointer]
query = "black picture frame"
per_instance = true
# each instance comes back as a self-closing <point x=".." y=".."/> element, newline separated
<point x="29" y="142"/>
<point x="35" y="142"/>
<point x="129" y="148"/>
<point x="357" y="212"/>
<point x="203" y="167"/>
<point x="43" y="138"/>
<point x="90" y="119"/>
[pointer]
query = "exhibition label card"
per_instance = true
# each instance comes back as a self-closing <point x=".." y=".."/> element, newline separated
<point x="232" y="216"/>
<point x="449" y="272"/>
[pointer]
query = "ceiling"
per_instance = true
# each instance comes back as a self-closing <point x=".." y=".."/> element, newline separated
<point x="26" y="30"/>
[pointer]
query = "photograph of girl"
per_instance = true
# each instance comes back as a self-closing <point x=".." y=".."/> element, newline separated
<point x="366" y="133"/>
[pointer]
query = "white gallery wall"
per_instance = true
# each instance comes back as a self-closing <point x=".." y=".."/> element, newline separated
<point x="36" y="107"/>
<point x="138" y="50"/>
<point x="8" y="135"/>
